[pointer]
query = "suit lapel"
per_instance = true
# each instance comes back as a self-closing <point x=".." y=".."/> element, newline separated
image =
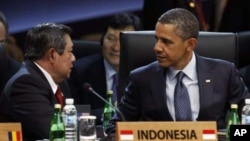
<point x="158" y="88"/>
<point x="205" y="82"/>
<point x="34" y="70"/>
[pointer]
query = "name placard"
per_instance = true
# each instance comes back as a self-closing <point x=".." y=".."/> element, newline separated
<point x="10" y="132"/>
<point x="167" y="131"/>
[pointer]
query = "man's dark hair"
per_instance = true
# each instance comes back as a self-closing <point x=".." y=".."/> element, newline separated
<point x="185" y="22"/>
<point x="121" y="21"/>
<point x="42" y="37"/>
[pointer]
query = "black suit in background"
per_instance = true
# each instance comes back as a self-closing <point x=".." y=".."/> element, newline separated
<point x="245" y="74"/>
<point x="28" y="94"/>
<point x="152" y="9"/>
<point x="9" y="67"/>
<point x="89" y="70"/>
<point x="236" y="16"/>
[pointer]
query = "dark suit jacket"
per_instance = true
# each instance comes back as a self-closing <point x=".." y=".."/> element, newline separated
<point x="89" y="70"/>
<point x="9" y="67"/>
<point x="236" y="16"/>
<point x="29" y="99"/>
<point x="145" y="97"/>
<point x="245" y="74"/>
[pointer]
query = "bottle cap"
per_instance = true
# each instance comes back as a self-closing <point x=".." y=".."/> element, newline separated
<point x="58" y="106"/>
<point x="69" y="101"/>
<point x="234" y="106"/>
<point x="247" y="101"/>
<point x="109" y="92"/>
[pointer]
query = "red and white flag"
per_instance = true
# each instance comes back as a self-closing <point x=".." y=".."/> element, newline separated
<point x="208" y="134"/>
<point x="126" y="135"/>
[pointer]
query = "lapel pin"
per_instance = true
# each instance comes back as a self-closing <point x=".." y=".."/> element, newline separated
<point x="208" y="80"/>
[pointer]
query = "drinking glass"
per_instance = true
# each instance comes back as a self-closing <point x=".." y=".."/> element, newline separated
<point x="87" y="129"/>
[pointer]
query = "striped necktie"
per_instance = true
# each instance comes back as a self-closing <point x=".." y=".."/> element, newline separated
<point x="181" y="100"/>
<point x="59" y="96"/>
<point x="114" y="87"/>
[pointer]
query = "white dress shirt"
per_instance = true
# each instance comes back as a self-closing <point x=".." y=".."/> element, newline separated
<point x="191" y="83"/>
<point x="49" y="78"/>
<point x="109" y="74"/>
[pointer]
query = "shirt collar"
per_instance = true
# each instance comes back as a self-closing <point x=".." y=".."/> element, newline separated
<point x="109" y="70"/>
<point x="48" y="77"/>
<point x="189" y="70"/>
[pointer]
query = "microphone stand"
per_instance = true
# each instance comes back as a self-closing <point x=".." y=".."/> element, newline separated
<point x="109" y="137"/>
<point x="111" y="105"/>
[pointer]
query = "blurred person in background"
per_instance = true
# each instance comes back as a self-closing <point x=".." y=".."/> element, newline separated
<point x="204" y="10"/>
<point x="12" y="49"/>
<point x="98" y="69"/>
<point x="9" y="65"/>
<point x="236" y="16"/>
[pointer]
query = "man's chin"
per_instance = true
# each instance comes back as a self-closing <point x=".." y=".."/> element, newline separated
<point x="163" y="64"/>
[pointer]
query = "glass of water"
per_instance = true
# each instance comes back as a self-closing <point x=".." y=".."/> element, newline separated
<point x="87" y="129"/>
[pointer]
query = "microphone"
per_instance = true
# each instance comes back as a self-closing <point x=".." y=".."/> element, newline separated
<point x="88" y="88"/>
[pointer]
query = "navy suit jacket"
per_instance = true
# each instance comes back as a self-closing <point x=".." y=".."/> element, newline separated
<point x="145" y="97"/>
<point x="237" y="14"/>
<point x="90" y="70"/>
<point x="28" y="98"/>
<point x="245" y="74"/>
<point x="9" y="67"/>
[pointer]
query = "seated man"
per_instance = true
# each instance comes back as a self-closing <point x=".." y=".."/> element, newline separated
<point x="98" y="69"/>
<point x="9" y="66"/>
<point x="29" y="96"/>
<point x="180" y="85"/>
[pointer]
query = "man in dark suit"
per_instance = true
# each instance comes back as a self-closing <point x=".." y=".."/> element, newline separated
<point x="98" y="69"/>
<point x="236" y="16"/>
<point x="29" y="96"/>
<point x="212" y="84"/>
<point x="9" y="66"/>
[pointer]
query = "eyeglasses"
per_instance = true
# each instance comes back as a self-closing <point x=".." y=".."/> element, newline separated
<point x="3" y="42"/>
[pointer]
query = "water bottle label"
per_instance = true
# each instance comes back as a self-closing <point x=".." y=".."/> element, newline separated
<point x="247" y="118"/>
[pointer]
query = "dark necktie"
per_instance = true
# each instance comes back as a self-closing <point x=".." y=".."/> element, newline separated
<point x="114" y="87"/>
<point x="181" y="100"/>
<point x="59" y="96"/>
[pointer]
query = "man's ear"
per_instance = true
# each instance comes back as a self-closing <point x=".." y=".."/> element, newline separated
<point x="51" y="55"/>
<point x="192" y="42"/>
